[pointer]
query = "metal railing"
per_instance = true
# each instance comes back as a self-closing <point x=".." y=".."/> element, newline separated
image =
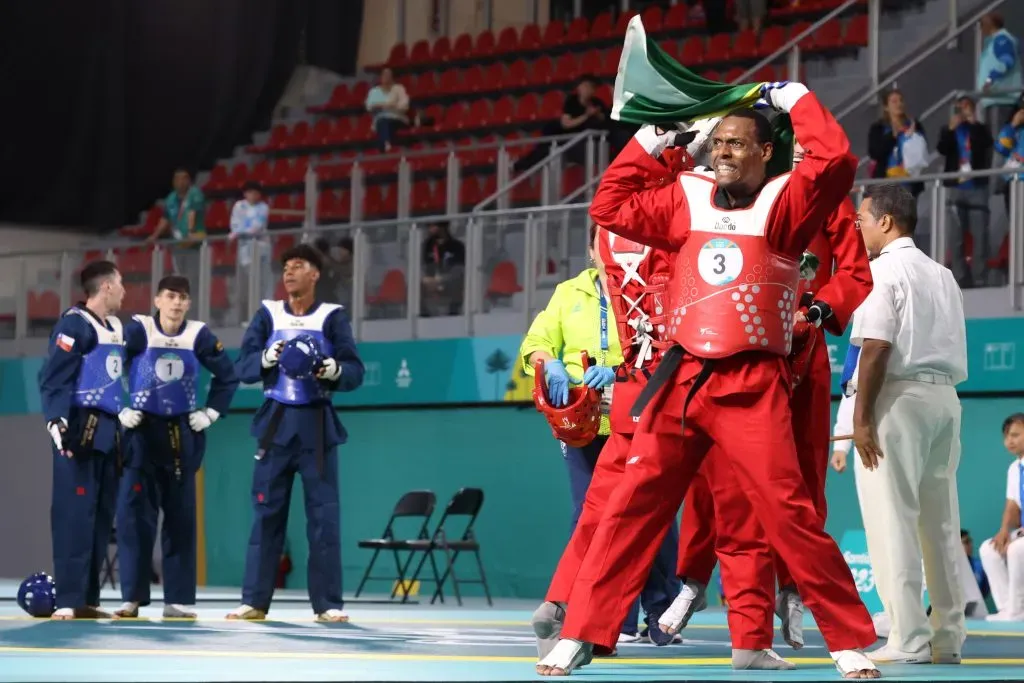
<point x="387" y="280"/>
<point x="938" y="42"/>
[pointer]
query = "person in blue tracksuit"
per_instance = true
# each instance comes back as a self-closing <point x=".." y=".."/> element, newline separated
<point x="165" y="442"/>
<point x="297" y="432"/>
<point x="82" y="392"/>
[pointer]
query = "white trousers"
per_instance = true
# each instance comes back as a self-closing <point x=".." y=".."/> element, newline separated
<point x="1005" y="576"/>
<point x="911" y="514"/>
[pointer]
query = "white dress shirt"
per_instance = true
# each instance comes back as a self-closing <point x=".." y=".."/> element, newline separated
<point x="916" y="306"/>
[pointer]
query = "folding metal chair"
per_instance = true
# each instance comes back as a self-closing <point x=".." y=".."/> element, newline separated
<point x="110" y="566"/>
<point x="465" y="503"/>
<point x="411" y="505"/>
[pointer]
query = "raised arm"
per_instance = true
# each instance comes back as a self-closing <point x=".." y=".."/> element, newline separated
<point x="818" y="183"/>
<point x="625" y="202"/>
<point x="851" y="282"/>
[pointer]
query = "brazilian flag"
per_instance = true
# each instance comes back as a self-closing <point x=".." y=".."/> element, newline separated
<point x="651" y="87"/>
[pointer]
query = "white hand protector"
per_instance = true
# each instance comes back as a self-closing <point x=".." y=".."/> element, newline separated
<point x="271" y="354"/>
<point x="656" y="140"/>
<point x="130" y="418"/>
<point x="781" y="95"/>
<point x="703" y="129"/>
<point x="329" y="370"/>
<point x="198" y="420"/>
<point x="58" y="428"/>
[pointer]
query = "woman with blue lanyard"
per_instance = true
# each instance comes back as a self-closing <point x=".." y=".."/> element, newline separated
<point x="577" y="319"/>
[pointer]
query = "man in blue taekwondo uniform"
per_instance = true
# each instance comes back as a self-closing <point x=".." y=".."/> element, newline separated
<point x="82" y="392"/>
<point x="164" y="445"/>
<point x="297" y="431"/>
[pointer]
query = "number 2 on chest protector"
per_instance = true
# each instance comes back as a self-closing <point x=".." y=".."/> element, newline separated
<point x="720" y="261"/>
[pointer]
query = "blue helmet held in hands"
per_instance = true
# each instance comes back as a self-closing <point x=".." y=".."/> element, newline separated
<point x="37" y="595"/>
<point x="300" y="357"/>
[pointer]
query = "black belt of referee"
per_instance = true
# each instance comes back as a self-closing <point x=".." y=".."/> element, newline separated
<point x="267" y="440"/>
<point x="670" y="362"/>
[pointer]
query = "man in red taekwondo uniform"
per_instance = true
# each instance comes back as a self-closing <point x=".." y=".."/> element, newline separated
<point x="737" y="239"/>
<point x="827" y="303"/>
<point x="82" y="392"/>
<point x="638" y="278"/>
<point x="301" y="350"/>
<point x="165" y="442"/>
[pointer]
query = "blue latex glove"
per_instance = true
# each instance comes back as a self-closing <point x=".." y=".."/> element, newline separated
<point x="597" y="377"/>
<point x="558" y="381"/>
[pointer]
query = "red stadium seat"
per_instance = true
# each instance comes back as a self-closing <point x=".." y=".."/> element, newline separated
<point x="720" y="47"/>
<point x="517" y="76"/>
<point x="530" y="38"/>
<point x="590" y="62"/>
<point x="856" y="34"/>
<point x="603" y="27"/>
<point x="542" y="71"/>
<point x="462" y="48"/>
<point x="566" y="70"/>
<point x="469" y="193"/>
<point x="771" y="40"/>
<point x="441" y="51"/>
<point x="473" y="79"/>
<point x="527" y="108"/>
<point x="218" y="178"/>
<point x="653" y="18"/>
<point x="420" y="53"/>
<point x="578" y="31"/>
<point x="693" y="51"/>
<point x="484" y="46"/>
<point x="392" y="290"/>
<point x="503" y="112"/>
<point x="745" y="46"/>
<point x="504" y="281"/>
<point x="279" y="202"/>
<point x="677" y="17"/>
<point x="494" y="76"/>
<point x="508" y="41"/>
<point x="398" y="56"/>
<point x="218" y="217"/>
<point x="554" y="33"/>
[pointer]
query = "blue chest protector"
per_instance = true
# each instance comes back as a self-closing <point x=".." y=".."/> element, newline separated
<point x="163" y="378"/>
<point x="101" y="382"/>
<point x="286" y="326"/>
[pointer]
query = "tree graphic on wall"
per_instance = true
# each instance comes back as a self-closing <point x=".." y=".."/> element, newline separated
<point x="497" y="363"/>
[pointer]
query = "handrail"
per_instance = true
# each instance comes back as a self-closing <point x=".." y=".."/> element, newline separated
<point x="953" y="95"/>
<point x="522" y="177"/>
<point x="568" y="199"/>
<point x="938" y="42"/>
<point x="793" y="42"/>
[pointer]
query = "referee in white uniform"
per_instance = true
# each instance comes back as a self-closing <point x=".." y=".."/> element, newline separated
<point x="906" y="428"/>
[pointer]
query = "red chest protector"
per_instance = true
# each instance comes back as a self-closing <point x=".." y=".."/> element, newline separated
<point x="731" y="291"/>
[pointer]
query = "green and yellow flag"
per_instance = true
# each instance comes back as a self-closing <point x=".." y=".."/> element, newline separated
<point x="651" y="87"/>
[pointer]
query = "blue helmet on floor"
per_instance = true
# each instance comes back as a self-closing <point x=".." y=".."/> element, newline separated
<point x="300" y="357"/>
<point x="37" y="595"/>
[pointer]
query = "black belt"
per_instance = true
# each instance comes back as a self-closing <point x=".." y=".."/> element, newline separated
<point x="88" y="438"/>
<point x="666" y="369"/>
<point x="174" y="435"/>
<point x="267" y="440"/>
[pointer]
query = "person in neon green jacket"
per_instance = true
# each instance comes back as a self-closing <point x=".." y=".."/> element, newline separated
<point x="577" y="319"/>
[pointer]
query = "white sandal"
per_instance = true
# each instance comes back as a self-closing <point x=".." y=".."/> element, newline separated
<point x="566" y="656"/>
<point x="851" y="662"/>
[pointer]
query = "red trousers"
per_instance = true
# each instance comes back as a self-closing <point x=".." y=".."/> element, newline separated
<point x="811" y="410"/>
<point x="743" y="409"/>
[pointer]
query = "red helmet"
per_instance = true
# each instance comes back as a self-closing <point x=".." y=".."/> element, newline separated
<point x="577" y="423"/>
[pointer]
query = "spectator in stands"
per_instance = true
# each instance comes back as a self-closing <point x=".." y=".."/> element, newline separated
<point x="335" y="285"/>
<point x="750" y="14"/>
<point x="998" y="65"/>
<point x="967" y="145"/>
<point x="1010" y="144"/>
<point x="976" y="568"/>
<point x="185" y="218"/>
<point x="389" y="103"/>
<point x="894" y="142"/>
<point x="444" y="269"/>
<point x="581" y="111"/>
<point x="250" y="221"/>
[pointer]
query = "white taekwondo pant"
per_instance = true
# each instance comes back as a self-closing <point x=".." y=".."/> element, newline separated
<point x="1005" y="576"/>
<point x="911" y="513"/>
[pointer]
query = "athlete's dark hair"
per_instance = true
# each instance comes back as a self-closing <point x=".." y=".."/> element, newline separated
<point x="306" y="252"/>
<point x="893" y="199"/>
<point x="174" y="283"/>
<point x="94" y="274"/>
<point x="762" y="126"/>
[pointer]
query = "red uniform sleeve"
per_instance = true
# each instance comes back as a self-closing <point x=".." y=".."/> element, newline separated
<point x="818" y="183"/>
<point x="851" y="282"/>
<point x="627" y="205"/>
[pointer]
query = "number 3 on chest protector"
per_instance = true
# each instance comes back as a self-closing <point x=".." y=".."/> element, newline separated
<point x="720" y="261"/>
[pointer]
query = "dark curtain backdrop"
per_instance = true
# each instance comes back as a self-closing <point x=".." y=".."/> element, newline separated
<point x="104" y="98"/>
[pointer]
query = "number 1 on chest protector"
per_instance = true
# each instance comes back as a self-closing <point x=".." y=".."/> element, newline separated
<point x="170" y="368"/>
<point x="720" y="261"/>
